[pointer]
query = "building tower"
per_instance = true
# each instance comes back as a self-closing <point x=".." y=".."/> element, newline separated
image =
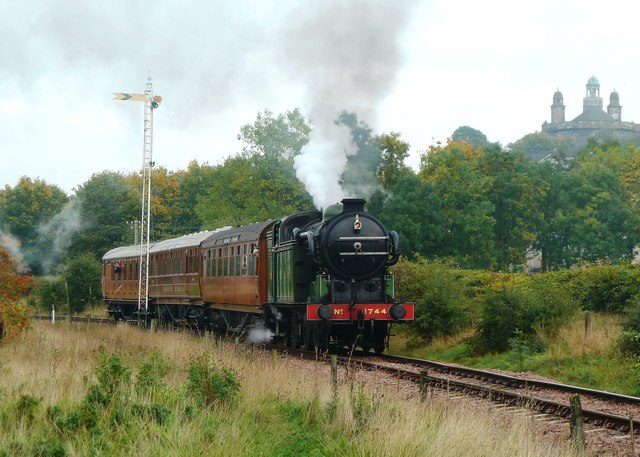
<point x="557" y="109"/>
<point x="614" y="109"/>
<point x="593" y="99"/>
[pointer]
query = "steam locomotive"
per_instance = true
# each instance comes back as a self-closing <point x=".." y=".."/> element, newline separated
<point x="312" y="279"/>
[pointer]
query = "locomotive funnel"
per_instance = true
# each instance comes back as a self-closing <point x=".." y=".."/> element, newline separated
<point x="353" y="205"/>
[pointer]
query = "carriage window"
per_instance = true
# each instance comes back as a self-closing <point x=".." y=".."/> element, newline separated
<point x="244" y="265"/>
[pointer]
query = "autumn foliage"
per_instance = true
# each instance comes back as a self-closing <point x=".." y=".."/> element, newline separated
<point x="14" y="316"/>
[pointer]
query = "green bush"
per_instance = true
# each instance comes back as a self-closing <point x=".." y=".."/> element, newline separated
<point x="605" y="288"/>
<point x="26" y="407"/>
<point x="441" y="301"/>
<point x="629" y="341"/>
<point x="111" y="373"/>
<point x="83" y="275"/>
<point x="151" y="375"/>
<point x="152" y="411"/>
<point x="211" y="385"/>
<point x="525" y="305"/>
<point x="50" y="290"/>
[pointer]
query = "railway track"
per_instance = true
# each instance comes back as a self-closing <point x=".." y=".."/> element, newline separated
<point x="602" y="408"/>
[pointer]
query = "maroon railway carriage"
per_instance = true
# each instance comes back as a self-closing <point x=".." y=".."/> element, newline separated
<point x="313" y="279"/>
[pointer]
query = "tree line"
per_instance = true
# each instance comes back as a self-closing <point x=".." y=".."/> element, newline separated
<point x="476" y="203"/>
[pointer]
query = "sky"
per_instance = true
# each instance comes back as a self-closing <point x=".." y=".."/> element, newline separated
<point x="492" y="65"/>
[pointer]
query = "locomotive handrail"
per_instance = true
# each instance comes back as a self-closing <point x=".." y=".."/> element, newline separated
<point x="309" y="236"/>
<point x="395" y="243"/>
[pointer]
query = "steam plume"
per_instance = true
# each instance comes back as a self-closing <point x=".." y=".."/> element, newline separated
<point x="348" y="54"/>
<point x="12" y="244"/>
<point x="60" y="229"/>
<point x="259" y="334"/>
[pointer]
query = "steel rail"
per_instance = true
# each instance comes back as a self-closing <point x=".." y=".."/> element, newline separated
<point x="508" y="380"/>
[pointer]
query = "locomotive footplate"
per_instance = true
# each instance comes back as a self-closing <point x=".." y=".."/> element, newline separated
<point x="366" y="311"/>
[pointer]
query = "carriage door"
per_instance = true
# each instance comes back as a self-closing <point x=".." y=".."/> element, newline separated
<point x="272" y="242"/>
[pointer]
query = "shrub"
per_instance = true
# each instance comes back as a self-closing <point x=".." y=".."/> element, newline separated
<point x="152" y="372"/>
<point x="83" y="275"/>
<point x="524" y="305"/>
<point x="629" y="342"/>
<point x="26" y="407"/>
<point x="211" y="385"/>
<point x="606" y="288"/>
<point x="441" y="301"/>
<point x="152" y="411"/>
<point x="111" y="373"/>
<point x="50" y="290"/>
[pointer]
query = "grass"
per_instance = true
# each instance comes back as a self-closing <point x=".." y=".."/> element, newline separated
<point x="572" y="355"/>
<point x="73" y="389"/>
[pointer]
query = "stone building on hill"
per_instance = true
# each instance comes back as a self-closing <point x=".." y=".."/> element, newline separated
<point x="593" y="122"/>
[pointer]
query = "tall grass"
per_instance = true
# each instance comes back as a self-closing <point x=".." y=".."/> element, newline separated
<point x="580" y="337"/>
<point x="53" y="378"/>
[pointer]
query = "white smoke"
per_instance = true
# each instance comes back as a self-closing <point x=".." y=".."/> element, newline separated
<point x="12" y="244"/>
<point x="259" y="334"/>
<point x="348" y="54"/>
<point x="324" y="157"/>
<point x="60" y="229"/>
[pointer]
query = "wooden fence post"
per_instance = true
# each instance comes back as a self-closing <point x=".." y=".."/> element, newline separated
<point x="424" y="384"/>
<point x="577" y="422"/>
<point x="633" y="437"/>
<point x="588" y="316"/>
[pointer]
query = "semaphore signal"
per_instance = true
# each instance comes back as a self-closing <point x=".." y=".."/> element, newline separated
<point x="151" y="102"/>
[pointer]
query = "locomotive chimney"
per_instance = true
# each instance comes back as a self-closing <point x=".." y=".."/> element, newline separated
<point x="353" y="205"/>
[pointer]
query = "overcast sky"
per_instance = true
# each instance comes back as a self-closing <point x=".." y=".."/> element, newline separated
<point x="493" y="65"/>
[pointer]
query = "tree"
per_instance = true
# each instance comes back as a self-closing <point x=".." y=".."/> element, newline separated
<point x="475" y="138"/>
<point x="413" y="210"/>
<point x="26" y="207"/>
<point x="537" y="146"/>
<point x="277" y="138"/>
<point x="588" y="214"/>
<point x="394" y="152"/>
<point x="193" y="182"/>
<point x="166" y="207"/>
<point x="109" y="202"/>
<point x="467" y="212"/>
<point x="14" y="316"/>
<point x="517" y="193"/>
<point x="251" y="189"/>
<point x="83" y="275"/>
